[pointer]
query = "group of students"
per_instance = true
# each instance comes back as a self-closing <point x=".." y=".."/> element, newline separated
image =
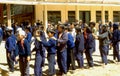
<point x="69" y="43"/>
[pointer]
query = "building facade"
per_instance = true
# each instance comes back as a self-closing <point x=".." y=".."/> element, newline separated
<point x="71" y="10"/>
<point x="78" y="12"/>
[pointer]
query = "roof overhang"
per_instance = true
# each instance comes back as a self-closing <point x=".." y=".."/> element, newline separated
<point x="86" y="3"/>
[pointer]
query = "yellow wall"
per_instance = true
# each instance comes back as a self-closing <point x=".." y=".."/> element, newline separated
<point x="65" y="8"/>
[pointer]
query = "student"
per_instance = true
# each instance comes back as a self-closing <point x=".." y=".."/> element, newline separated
<point x="51" y="49"/>
<point x="24" y="53"/>
<point x="79" y="46"/>
<point x="1" y="34"/>
<point x="43" y="38"/>
<point x="62" y="50"/>
<point x="103" y="45"/>
<point x="116" y="42"/>
<point x="89" y="46"/>
<point x="29" y="35"/>
<point x="38" y="55"/>
<point x="73" y="33"/>
<point x="70" y="50"/>
<point x="10" y="49"/>
<point x="92" y="26"/>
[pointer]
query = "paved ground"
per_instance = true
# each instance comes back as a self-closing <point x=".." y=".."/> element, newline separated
<point x="111" y="69"/>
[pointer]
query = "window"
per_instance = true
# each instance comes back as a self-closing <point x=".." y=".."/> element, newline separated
<point x="106" y="16"/>
<point x="116" y="16"/>
<point x="54" y="16"/>
<point x="98" y="16"/>
<point x="85" y="16"/>
<point x="71" y="16"/>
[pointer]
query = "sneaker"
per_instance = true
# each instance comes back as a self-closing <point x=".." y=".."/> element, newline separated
<point x="91" y="68"/>
<point x="11" y="72"/>
<point x="114" y="61"/>
<point x="72" y="71"/>
<point x="64" y="74"/>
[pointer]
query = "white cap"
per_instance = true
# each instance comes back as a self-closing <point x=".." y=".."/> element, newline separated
<point x="21" y="32"/>
<point x="9" y="28"/>
<point x="19" y="29"/>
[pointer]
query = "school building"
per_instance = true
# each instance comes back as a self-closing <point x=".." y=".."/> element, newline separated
<point x="71" y="10"/>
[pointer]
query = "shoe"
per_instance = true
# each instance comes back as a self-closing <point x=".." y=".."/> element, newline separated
<point x="91" y="68"/>
<point x="118" y="63"/>
<point x="72" y="71"/>
<point x="114" y="61"/>
<point x="11" y="72"/>
<point x="64" y="74"/>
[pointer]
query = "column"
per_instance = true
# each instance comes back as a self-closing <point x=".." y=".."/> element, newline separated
<point x="110" y="15"/>
<point x="93" y="14"/>
<point x="39" y="12"/>
<point x="8" y="15"/>
<point x="45" y="17"/>
<point x="103" y="15"/>
<point x="64" y="16"/>
<point x="77" y="12"/>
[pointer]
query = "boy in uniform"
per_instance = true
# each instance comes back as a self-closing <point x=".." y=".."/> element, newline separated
<point x="24" y="53"/>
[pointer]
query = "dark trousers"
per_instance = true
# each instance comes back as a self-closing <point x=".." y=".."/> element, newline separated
<point x="89" y="58"/>
<point x="0" y="40"/>
<point x="51" y="64"/>
<point x="116" y="53"/>
<point x="62" y="60"/>
<point x="79" y="58"/>
<point x="10" y="61"/>
<point x="103" y="53"/>
<point x="38" y="65"/>
<point x="70" y="58"/>
<point x="43" y="56"/>
<point x="24" y="66"/>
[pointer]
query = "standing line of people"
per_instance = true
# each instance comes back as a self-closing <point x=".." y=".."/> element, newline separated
<point x="67" y="42"/>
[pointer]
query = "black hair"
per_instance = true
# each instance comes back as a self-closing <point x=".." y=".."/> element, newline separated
<point x="51" y="31"/>
<point x="88" y="30"/>
<point x="78" y="29"/>
<point x="69" y="29"/>
<point x="62" y="26"/>
<point x="104" y="28"/>
<point x="92" y="23"/>
<point x="28" y="28"/>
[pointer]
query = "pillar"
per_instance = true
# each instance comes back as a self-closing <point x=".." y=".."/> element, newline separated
<point x="8" y="15"/>
<point x="110" y="15"/>
<point x="93" y="14"/>
<point x="39" y="12"/>
<point x="45" y="17"/>
<point x="77" y="12"/>
<point x="103" y="15"/>
<point x="64" y="15"/>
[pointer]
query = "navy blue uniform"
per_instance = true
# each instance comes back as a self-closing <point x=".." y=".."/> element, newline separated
<point x="70" y="52"/>
<point x="115" y="41"/>
<point x="1" y="35"/>
<point x="89" y="49"/>
<point x="29" y="36"/>
<point x="38" y="58"/>
<point x="23" y="52"/>
<point x="10" y="49"/>
<point x="100" y="28"/>
<point x="79" y="46"/>
<point x="103" y="46"/>
<point x="43" y="38"/>
<point x="51" y="48"/>
<point x="62" y="52"/>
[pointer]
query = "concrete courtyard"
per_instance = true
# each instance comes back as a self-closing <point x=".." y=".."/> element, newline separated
<point x="111" y="69"/>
